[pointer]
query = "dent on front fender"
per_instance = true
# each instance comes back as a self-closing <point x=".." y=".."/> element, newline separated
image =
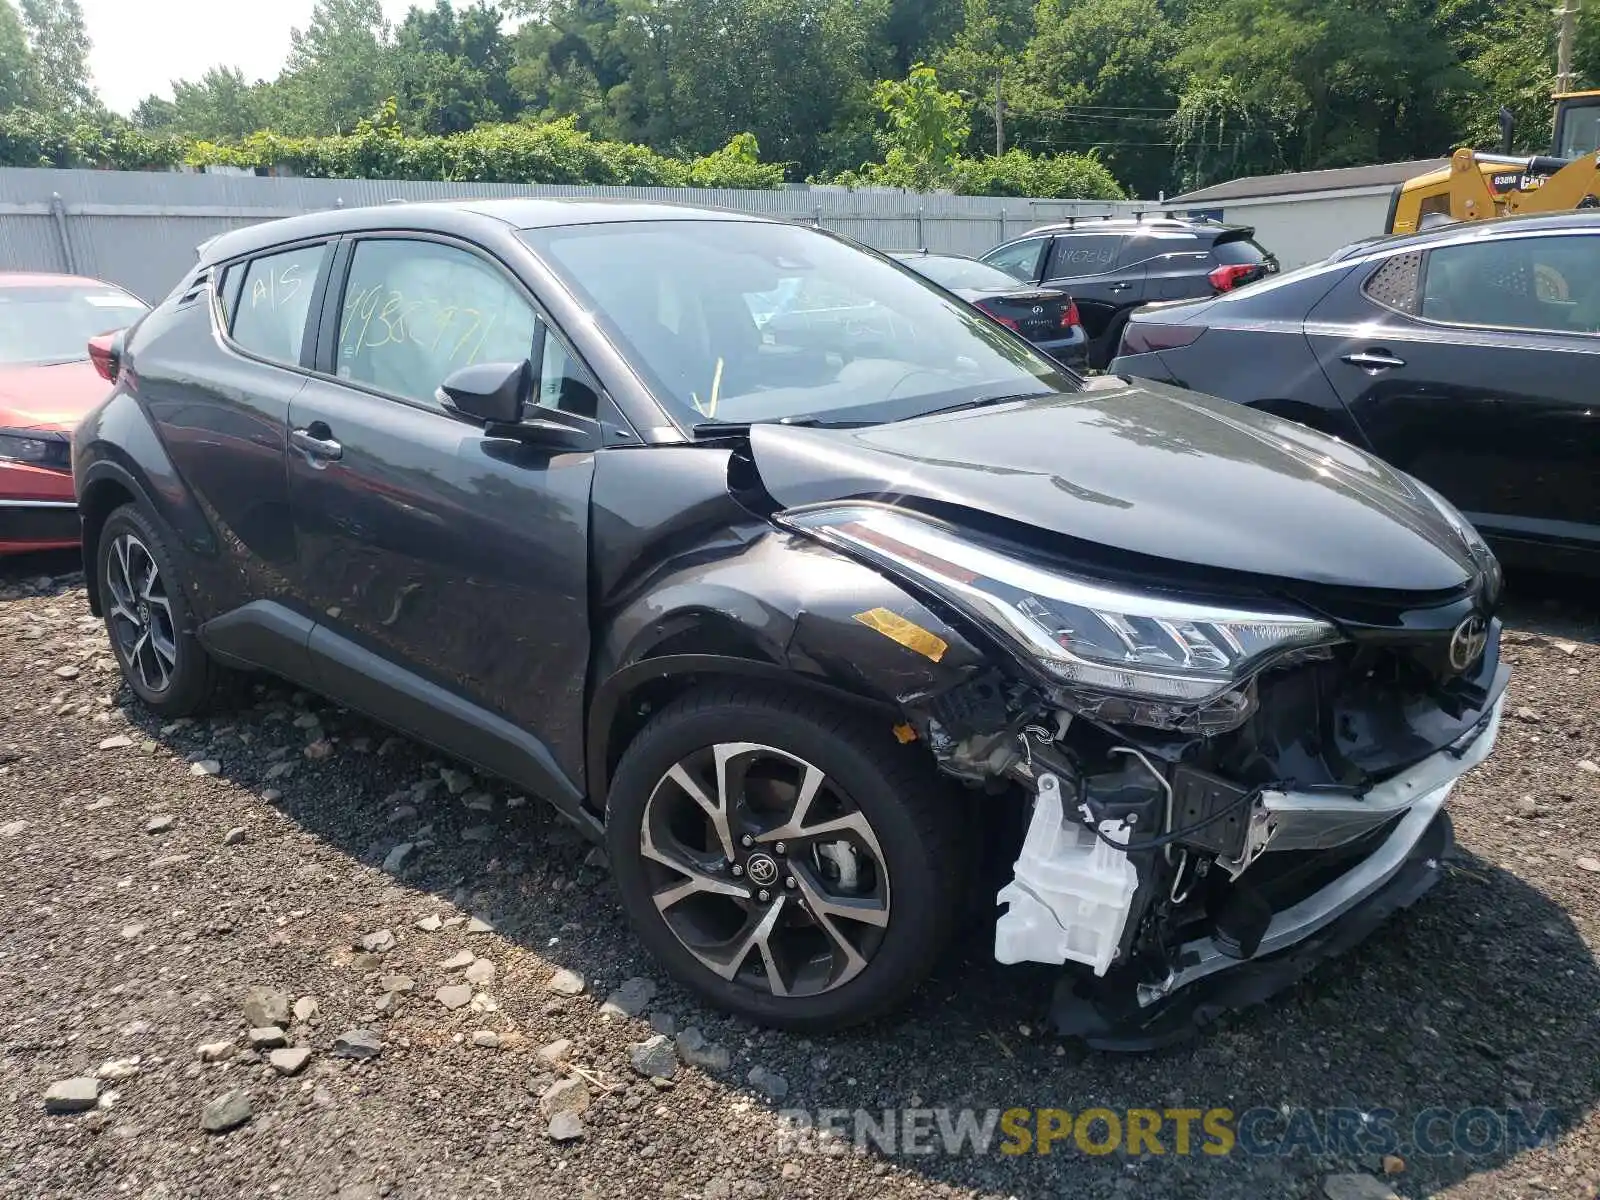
<point x="799" y="606"/>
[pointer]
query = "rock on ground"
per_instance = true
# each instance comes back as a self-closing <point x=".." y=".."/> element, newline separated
<point x="654" y="1057"/>
<point x="266" y="1006"/>
<point x="71" y="1095"/>
<point x="631" y="999"/>
<point x="358" y="1043"/>
<point x="228" y="1111"/>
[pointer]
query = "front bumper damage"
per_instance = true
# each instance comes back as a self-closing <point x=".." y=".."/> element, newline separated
<point x="1179" y="878"/>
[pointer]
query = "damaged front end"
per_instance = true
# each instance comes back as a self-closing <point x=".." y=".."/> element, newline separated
<point x="1226" y="784"/>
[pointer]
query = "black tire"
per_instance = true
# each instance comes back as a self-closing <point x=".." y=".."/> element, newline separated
<point x="194" y="682"/>
<point x="1104" y="349"/>
<point x="915" y="814"/>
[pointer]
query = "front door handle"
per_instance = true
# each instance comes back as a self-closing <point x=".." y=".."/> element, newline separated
<point x="1374" y="360"/>
<point x="324" y="448"/>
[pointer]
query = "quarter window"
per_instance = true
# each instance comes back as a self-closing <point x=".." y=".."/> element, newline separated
<point x="1543" y="283"/>
<point x="414" y="312"/>
<point x="1020" y="260"/>
<point x="1394" y="284"/>
<point x="564" y="384"/>
<point x="269" y="316"/>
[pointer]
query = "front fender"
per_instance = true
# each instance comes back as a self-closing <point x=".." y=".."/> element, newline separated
<point x="779" y="606"/>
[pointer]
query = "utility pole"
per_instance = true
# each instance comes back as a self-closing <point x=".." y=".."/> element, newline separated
<point x="1000" y="108"/>
<point x="1569" y="22"/>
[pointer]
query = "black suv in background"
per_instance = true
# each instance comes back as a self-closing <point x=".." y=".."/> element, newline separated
<point x="1112" y="265"/>
<point x="798" y="581"/>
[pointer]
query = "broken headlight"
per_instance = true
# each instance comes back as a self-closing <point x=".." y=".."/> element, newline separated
<point x="1101" y="638"/>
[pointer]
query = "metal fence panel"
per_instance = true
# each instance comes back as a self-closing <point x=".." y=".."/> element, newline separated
<point x="140" y="229"/>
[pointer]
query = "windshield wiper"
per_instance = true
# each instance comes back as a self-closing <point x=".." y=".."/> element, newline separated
<point x="980" y="402"/>
<point x="742" y="428"/>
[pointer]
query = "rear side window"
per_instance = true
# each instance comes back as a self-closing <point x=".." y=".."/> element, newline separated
<point x="1394" y="284"/>
<point x="1543" y="283"/>
<point x="272" y="303"/>
<point x="1019" y="260"/>
<point x="1083" y="254"/>
<point x="415" y="311"/>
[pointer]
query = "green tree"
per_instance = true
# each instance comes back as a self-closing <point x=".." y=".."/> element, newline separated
<point x="452" y="68"/>
<point x="19" y="83"/>
<point x="983" y="56"/>
<point x="60" y="46"/>
<point x="220" y="104"/>
<point x="927" y="127"/>
<point x="341" y="68"/>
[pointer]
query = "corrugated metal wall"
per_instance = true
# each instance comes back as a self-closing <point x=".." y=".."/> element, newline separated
<point x="140" y="229"/>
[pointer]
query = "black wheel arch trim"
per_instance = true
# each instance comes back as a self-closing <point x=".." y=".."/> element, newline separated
<point x="611" y="697"/>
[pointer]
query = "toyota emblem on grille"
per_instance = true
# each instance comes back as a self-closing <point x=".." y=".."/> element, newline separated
<point x="1468" y="641"/>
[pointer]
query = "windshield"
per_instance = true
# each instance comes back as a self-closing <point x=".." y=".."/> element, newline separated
<point x="1580" y="131"/>
<point x="961" y="273"/>
<point x="745" y="321"/>
<point x="53" y="323"/>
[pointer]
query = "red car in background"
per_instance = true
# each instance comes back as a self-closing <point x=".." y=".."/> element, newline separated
<point x="49" y="378"/>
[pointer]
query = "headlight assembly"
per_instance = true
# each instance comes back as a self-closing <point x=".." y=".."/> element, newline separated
<point x="1101" y="638"/>
<point x="20" y="446"/>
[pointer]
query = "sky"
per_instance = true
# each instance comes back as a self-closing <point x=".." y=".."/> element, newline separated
<point x="141" y="46"/>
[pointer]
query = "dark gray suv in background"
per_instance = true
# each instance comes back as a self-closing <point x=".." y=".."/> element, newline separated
<point x="801" y="584"/>
<point x="1112" y="265"/>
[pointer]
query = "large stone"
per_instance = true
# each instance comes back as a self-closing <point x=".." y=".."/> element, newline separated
<point x="557" y="1052"/>
<point x="698" y="1052"/>
<point x="565" y="1095"/>
<point x="380" y="942"/>
<point x="481" y="972"/>
<point x="565" y="1127"/>
<point x="268" y="1037"/>
<point x="1356" y="1187"/>
<point x="71" y="1095"/>
<point x="631" y="999"/>
<point x="454" y="996"/>
<point x="565" y="983"/>
<point x="358" y="1043"/>
<point x="654" y="1058"/>
<point x="290" y="1061"/>
<point x="228" y="1111"/>
<point x="266" y="1006"/>
<point x="458" y="962"/>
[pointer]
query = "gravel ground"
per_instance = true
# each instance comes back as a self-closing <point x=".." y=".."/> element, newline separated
<point x="164" y="889"/>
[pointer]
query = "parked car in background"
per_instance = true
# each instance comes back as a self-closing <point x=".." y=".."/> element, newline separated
<point x="800" y="583"/>
<point x="1465" y="355"/>
<point x="1113" y="265"/>
<point x="1047" y="317"/>
<point x="48" y="381"/>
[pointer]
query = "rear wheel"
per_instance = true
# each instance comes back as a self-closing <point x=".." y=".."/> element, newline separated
<point x="782" y="859"/>
<point x="148" y="618"/>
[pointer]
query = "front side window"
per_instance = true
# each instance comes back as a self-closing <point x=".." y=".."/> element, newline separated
<point x="1543" y="283"/>
<point x="269" y="316"/>
<point x="731" y="321"/>
<point x="564" y="383"/>
<point x="1020" y="260"/>
<point x="414" y="312"/>
<point x="44" y="324"/>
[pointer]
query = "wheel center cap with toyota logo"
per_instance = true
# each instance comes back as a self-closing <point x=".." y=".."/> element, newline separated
<point x="1468" y="641"/>
<point x="762" y="870"/>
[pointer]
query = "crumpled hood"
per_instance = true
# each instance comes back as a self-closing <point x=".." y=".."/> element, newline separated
<point x="49" y="397"/>
<point x="1148" y="469"/>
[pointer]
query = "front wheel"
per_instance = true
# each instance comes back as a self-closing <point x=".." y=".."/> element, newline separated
<point x="786" y="859"/>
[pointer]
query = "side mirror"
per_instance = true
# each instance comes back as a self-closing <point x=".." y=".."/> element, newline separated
<point x="491" y="393"/>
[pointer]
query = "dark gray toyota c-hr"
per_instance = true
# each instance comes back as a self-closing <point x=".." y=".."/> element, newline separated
<point x="794" y="579"/>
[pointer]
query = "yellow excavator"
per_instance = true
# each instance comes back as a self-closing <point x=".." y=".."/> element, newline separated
<point x="1476" y="185"/>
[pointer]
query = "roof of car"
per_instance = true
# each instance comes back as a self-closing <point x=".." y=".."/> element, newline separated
<point x="1457" y="230"/>
<point x="1155" y="224"/>
<point x="456" y="216"/>
<point x="47" y="279"/>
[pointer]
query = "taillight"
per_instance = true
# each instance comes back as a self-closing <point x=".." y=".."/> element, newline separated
<point x="1069" y="315"/>
<point x="1230" y="276"/>
<point x="105" y="351"/>
<point x="1147" y="337"/>
<point x="1006" y="321"/>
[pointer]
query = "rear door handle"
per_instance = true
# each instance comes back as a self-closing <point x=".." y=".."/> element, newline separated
<point x="1374" y="360"/>
<point x="324" y="448"/>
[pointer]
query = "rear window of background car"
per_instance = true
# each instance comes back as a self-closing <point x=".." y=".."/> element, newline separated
<point x="416" y="311"/>
<point x="270" y="316"/>
<point x="1239" y="251"/>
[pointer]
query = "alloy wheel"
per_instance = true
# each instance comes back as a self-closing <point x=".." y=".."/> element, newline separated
<point x="139" y="613"/>
<point x="765" y="870"/>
